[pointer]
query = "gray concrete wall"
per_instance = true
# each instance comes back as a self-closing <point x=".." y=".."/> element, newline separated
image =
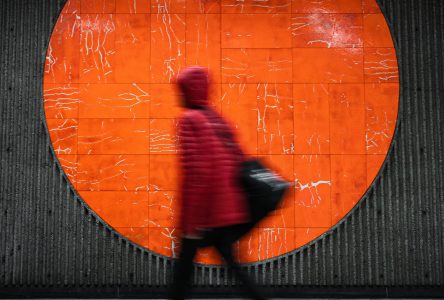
<point x="51" y="244"/>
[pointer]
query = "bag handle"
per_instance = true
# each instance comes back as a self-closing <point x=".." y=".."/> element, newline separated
<point x="226" y="137"/>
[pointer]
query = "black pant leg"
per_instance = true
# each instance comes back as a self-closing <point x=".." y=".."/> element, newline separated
<point x="224" y="245"/>
<point x="184" y="269"/>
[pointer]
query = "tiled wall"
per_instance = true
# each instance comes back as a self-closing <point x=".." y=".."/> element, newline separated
<point x="311" y="86"/>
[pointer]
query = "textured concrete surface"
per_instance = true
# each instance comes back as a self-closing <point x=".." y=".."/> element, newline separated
<point x="50" y="243"/>
<point x="275" y="298"/>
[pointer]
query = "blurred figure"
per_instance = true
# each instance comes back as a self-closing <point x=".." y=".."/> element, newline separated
<point x="213" y="203"/>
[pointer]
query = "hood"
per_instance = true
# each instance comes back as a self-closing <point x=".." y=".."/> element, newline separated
<point x="193" y="83"/>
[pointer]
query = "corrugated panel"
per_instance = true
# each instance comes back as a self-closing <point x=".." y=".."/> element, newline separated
<point x="50" y="239"/>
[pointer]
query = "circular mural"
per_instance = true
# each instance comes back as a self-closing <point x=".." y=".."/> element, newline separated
<point x="310" y="86"/>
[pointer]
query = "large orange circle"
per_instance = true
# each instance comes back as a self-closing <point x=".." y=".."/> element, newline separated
<point x="311" y="86"/>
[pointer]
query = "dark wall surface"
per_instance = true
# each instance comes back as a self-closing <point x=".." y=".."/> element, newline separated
<point x="391" y="244"/>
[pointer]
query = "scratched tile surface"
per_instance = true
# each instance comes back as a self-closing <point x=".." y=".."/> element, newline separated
<point x="310" y="86"/>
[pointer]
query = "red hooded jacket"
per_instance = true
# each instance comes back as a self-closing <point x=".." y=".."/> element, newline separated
<point x="210" y="191"/>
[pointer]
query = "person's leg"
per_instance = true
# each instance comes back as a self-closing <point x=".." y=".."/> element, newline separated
<point x="184" y="269"/>
<point x="223" y="244"/>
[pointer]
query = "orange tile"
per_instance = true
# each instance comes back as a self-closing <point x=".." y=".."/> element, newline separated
<point x="119" y="208"/>
<point x="215" y="97"/>
<point x="275" y="124"/>
<point x="132" y="48"/>
<point x="98" y="6"/>
<point x="311" y="119"/>
<point x="380" y="65"/>
<point x="163" y="209"/>
<point x="347" y="119"/>
<point x="256" y="65"/>
<point x="113" y="136"/>
<point x="137" y="235"/>
<point x="163" y="136"/>
<point x="348" y="177"/>
<point x="203" y="42"/>
<point x="374" y="164"/>
<point x="133" y="6"/>
<point x="164" y="170"/>
<point x="381" y="114"/>
<point x="306" y="235"/>
<point x="370" y="7"/>
<point x="256" y="31"/>
<point x="326" y="6"/>
<point x="61" y="101"/>
<point x="254" y="6"/>
<point x="283" y="216"/>
<point x="206" y="6"/>
<point x="63" y="133"/>
<point x="165" y="241"/>
<point x="239" y="107"/>
<point x="70" y="167"/>
<point x="335" y="65"/>
<point x="71" y="7"/>
<point x="165" y="101"/>
<point x="312" y="196"/>
<point x="208" y="256"/>
<point x="130" y="101"/>
<point x="167" y="46"/>
<point x="246" y="249"/>
<point x="112" y="173"/>
<point x="63" y="54"/>
<point x="168" y="6"/>
<point x="275" y="241"/>
<point x="327" y="30"/>
<point x="376" y="31"/>
<point x="97" y="48"/>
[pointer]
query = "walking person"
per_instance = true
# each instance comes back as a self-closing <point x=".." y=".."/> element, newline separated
<point x="213" y="205"/>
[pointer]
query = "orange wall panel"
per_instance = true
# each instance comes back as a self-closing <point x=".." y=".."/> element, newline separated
<point x="119" y="101"/>
<point x="113" y="136"/>
<point x="256" y="65"/>
<point x="326" y="6"/>
<point x="112" y="173"/>
<point x="133" y="6"/>
<point x="203" y="46"/>
<point x="253" y="6"/>
<point x="255" y="31"/>
<point x="327" y="30"/>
